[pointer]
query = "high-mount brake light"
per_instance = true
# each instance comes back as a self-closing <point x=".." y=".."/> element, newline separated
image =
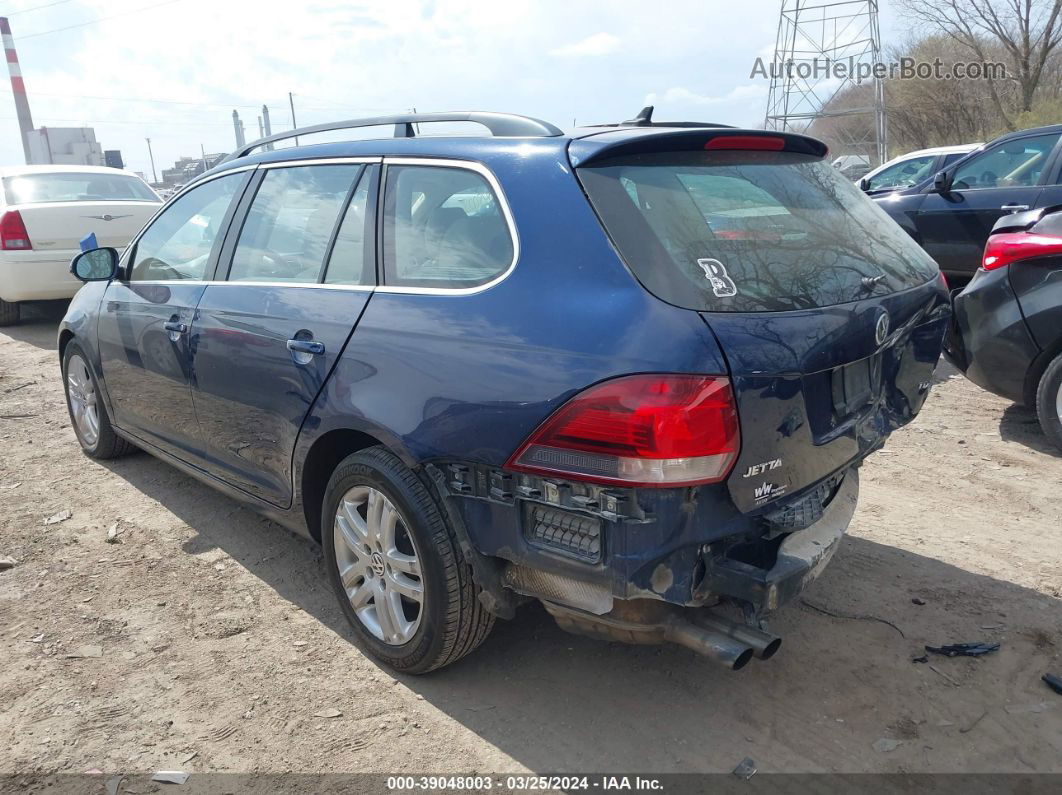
<point x="769" y="143"/>
<point x="639" y="430"/>
<point x="1007" y="247"/>
<point x="13" y="234"/>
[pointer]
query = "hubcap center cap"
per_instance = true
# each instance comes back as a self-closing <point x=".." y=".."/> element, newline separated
<point x="377" y="563"/>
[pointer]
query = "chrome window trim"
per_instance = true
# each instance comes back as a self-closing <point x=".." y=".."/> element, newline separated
<point x="320" y="161"/>
<point x="503" y="202"/>
<point x="364" y="288"/>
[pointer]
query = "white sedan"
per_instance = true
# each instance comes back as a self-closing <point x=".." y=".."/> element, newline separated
<point x="45" y="211"/>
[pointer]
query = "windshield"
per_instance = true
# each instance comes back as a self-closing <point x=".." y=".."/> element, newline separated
<point x="76" y="187"/>
<point x="750" y="231"/>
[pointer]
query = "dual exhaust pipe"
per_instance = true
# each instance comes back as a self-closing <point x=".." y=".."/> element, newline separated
<point x="643" y="621"/>
<point x="723" y="641"/>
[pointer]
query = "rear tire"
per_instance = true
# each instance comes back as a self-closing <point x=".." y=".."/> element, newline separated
<point x="1049" y="402"/>
<point x="88" y="415"/>
<point x="449" y="621"/>
<point x="9" y="312"/>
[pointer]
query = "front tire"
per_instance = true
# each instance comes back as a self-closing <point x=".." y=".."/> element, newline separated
<point x="396" y="567"/>
<point x="88" y="415"/>
<point x="10" y="311"/>
<point x="1049" y="401"/>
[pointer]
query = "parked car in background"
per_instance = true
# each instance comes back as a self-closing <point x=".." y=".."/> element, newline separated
<point x="1006" y="335"/>
<point x="486" y="370"/>
<point x="912" y="168"/>
<point x="45" y="211"/>
<point x="952" y="213"/>
<point x="852" y="166"/>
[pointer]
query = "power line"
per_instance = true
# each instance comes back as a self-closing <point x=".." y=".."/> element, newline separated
<point x="35" y="8"/>
<point x="94" y="21"/>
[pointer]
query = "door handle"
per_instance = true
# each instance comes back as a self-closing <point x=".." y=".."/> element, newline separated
<point x="306" y="346"/>
<point x="173" y="325"/>
<point x="1014" y="208"/>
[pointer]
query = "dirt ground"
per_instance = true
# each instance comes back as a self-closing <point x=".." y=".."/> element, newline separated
<point x="220" y="643"/>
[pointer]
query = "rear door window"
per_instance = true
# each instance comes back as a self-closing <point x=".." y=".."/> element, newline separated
<point x="290" y="223"/>
<point x="443" y="227"/>
<point x="750" y="231"/>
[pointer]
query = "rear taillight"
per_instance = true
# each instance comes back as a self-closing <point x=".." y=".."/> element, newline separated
<point x="13" y="234"/>
<point x="639" y="430"/>
<point x="1008" y="247"/>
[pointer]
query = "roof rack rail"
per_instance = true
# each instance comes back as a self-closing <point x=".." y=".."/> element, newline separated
<point x="499" y="124"/>
<point x="644" y="118"/>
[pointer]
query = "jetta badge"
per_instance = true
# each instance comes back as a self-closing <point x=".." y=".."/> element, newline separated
<point x="105" y="217"/>
<point x="881" y="329"/>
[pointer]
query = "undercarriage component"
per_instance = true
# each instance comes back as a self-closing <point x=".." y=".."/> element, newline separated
<point x="550" y="587"/>
<point x="646" y="621"/>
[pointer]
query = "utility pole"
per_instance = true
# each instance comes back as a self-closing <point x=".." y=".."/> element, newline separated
<point x="294" y="126"/>
<point x="154" y="176"/>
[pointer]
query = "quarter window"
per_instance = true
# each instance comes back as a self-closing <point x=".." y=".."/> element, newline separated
<point x="1007" y="165"/>
<point x="178" y="244"/>
<point x="289" y="226"/>
<point x="443" y="228"/>
<point x="347" y="263"/>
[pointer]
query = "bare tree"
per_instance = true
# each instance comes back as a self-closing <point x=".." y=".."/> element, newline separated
<point x="1028" y="31"/>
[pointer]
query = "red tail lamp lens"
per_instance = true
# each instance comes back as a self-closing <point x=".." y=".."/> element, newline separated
<point x="13" y="234"/>
<point x="1003" y="249"/>
<point x="641" y="430"/>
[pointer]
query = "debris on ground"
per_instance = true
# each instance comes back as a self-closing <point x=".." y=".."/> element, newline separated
<point x="942" y="675"/>
<point x="331" y="712"/>
<point x="7" y="562"/>
<point x="1053" y="682"/>
<point x="918" y="601"/>
<point x="112" y="534"/>
<point x="967" y="729"/>
<point x="850" y="616"/>
<point x="746" y="768"/>
<point x="85" y="651"/>
<point x="56" y="518"/>
<point x="923" y="659"/>
<point x="886" y="744"/>
<point x="1022" y="709"/>
<point x="964" y="649"/>
<point x="171" y="776"/>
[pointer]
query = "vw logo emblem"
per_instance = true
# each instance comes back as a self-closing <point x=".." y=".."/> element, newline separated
<point x="881" y="329"/>
<point x="377" y="564"/>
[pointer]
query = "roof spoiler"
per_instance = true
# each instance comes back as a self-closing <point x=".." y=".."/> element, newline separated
<point x="584" y="151"/>
<point x="498" y="124"/>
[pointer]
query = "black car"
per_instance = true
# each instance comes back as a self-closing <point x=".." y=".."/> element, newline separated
<point x="952" y="214"/>
<point x="1006" y="332"/>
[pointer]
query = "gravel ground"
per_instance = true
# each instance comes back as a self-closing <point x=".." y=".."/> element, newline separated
<point x="206" y="639"/>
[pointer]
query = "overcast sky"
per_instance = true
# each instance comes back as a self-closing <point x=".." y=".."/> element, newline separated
<point x="561" y="60"/>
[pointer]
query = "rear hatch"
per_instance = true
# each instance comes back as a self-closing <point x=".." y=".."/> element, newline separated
<point x="831" y="318"/>
<point x="58" y="209"/>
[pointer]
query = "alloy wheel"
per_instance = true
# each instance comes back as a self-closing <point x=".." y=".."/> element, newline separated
<point x="82" y="395"/>
<point x="378" y="565"/>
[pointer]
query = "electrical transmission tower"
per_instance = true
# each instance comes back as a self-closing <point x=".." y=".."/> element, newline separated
<point x="821" y="78"/>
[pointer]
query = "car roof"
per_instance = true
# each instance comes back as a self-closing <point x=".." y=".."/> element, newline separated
<point x="14" y="171"/>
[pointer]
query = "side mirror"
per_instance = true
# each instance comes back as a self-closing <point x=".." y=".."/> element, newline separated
<point x="864" y="184"/>
<point x="95" y="265"/>
<point x="942" y="182"/>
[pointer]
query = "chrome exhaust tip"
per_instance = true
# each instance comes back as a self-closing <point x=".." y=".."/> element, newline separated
<point x="764" y="644"/>
<point x="727" y="651"/>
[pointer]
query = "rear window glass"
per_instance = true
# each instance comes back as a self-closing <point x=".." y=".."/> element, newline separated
<point x="750" y="231"/>
<point x="75" y="187"/>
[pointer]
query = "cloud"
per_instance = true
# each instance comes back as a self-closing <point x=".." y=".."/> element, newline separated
<point x="598" y="44"/>
<point x="680" y="95"/>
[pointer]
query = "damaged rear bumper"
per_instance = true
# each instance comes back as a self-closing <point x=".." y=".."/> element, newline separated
<point x="593" y="549"/>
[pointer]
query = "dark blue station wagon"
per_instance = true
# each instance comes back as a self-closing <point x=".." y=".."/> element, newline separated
<point x="629" y="372"/>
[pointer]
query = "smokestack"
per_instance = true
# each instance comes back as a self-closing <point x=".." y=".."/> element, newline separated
<point x="238" y="126"/>
<point x="261" y="131"/>
<point x="268" y="128"/>
<point x="18" y="88"/>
